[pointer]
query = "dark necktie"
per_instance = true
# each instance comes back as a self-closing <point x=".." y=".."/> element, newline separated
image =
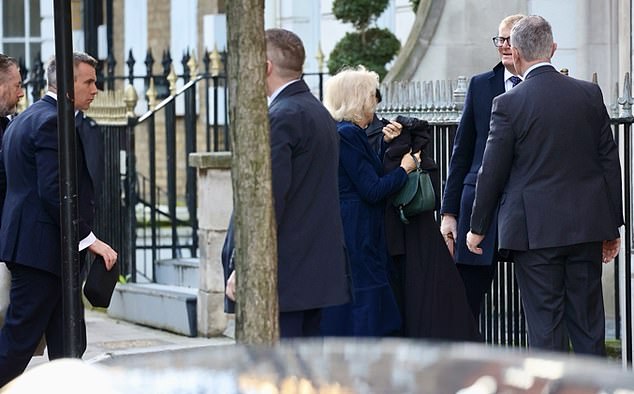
<point x="515" y="80"/>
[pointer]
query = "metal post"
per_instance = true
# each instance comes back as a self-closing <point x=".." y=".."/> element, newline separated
<point x="170" y="147"/>
<point x="628" y="247"/>
<point x="153" y="187"/>
<point x="131" y="200"/>
<point x="190" y="146"/>
<point x="71" y="302"/>
<point x="90" y="27"/>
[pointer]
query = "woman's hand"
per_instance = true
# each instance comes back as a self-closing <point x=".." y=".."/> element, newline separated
<point x="408" y="163"/>
<point x="391" y="131"/>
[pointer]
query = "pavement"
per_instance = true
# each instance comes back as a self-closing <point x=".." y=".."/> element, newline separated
<point x="108" y="337"/>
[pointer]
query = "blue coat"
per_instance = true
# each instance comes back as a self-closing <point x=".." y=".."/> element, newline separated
<point x="465" y="163"/>
<point x="363" y="189"/>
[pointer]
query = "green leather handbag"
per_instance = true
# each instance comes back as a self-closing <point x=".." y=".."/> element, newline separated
<point x="416" y="196"/>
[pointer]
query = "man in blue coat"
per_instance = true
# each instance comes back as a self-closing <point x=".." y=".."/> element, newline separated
<point x="312" y="271"/>
<point x="476" y="270"/>
<point x="30" y="240"/>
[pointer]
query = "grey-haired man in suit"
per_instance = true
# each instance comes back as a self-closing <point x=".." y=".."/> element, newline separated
<point x="552" y="163"/>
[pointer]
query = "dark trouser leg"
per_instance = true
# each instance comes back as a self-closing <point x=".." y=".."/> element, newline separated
<point x="561" y="293"/>
<point x="300" y="323"/>
<point x="477" y="281"/>
<point x="55" y="334"/>
<point x="35" y="294"/>
<point x="585" y="317"/>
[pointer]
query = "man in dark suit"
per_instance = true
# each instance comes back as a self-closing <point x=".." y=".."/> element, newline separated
<point x="476" y="270"/>
<point x="10" y="93"/>
<point x="30" y="240"/>
<point x="312" y="271"/>
<point x="551" y="161"/>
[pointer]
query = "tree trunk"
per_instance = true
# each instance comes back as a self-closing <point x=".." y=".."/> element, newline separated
<point x="256" y="239"/>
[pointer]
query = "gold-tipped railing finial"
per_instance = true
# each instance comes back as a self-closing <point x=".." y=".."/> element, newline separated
<point x="130" y="98"/>
<point x="151" y="95"/>
<point x="216" y="61"/>
<point x="171" y="78"/>
<point x="191" y="64"/>
<point x="320" y="58"/>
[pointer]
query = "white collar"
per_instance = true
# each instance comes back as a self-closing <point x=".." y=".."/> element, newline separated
<point x="279" y="90"/>
<point x="534" y="66"/>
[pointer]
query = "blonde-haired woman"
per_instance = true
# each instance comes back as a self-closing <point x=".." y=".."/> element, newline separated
<point x="350" y="96"/>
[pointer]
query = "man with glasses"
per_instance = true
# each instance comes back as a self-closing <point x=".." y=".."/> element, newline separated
<point x="555" y="168"/>
<point x="476" y="270"/>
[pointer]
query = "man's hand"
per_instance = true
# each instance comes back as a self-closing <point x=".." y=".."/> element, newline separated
<point x="230" y="291"/>
<point x="611" y="249"/>
<point x="473" y="242"/>
<point x="104" y="250"/>
<point x="449" y="229"/>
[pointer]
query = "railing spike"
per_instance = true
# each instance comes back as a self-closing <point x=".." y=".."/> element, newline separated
<point x="215" y="59"/>
<point x="130" y="99"/>
<point x="192" y="65"/>
<point x="320" y="58"/>
<point x="151" y="95"/>
<point x="626" y="100"/>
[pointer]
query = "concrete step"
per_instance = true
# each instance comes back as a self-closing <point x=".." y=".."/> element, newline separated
<point x="171" y="308"/>
<point x="177" y="272"/>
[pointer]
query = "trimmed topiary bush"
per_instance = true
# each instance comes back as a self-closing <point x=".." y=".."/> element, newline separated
<point x="371" y="47"/>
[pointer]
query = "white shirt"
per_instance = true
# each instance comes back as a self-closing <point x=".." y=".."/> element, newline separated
<point x="279" y="90"/>
<point x="90" y="238"/>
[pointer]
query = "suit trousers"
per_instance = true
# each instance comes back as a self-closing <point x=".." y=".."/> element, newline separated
<point x="299" y="324"/>
<point x="562" y="294"/>
<point x="35" y="309"/>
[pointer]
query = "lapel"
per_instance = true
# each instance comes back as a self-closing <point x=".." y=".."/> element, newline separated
<point x="496" y="80"/>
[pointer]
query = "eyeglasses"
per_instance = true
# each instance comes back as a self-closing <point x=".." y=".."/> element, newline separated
<point x="499" y="41"/>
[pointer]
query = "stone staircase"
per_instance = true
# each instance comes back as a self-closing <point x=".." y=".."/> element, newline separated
<point x="168" y="304"/>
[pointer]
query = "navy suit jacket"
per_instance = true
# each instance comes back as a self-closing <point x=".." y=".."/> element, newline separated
<point x="553" y="166"/>
<point x="310" y="243"/>
<point x="466" y="160"/>
<point x="30" y="230"/>
<point x="4" y="122"/>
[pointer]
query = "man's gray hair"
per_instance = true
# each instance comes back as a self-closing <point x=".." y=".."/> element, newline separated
<point x="533" y="37"/>
<point x="78" y="57"/>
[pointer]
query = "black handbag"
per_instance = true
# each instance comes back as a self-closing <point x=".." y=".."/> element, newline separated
<point x="100" y="283"/>
<point x="416" y="196"/>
